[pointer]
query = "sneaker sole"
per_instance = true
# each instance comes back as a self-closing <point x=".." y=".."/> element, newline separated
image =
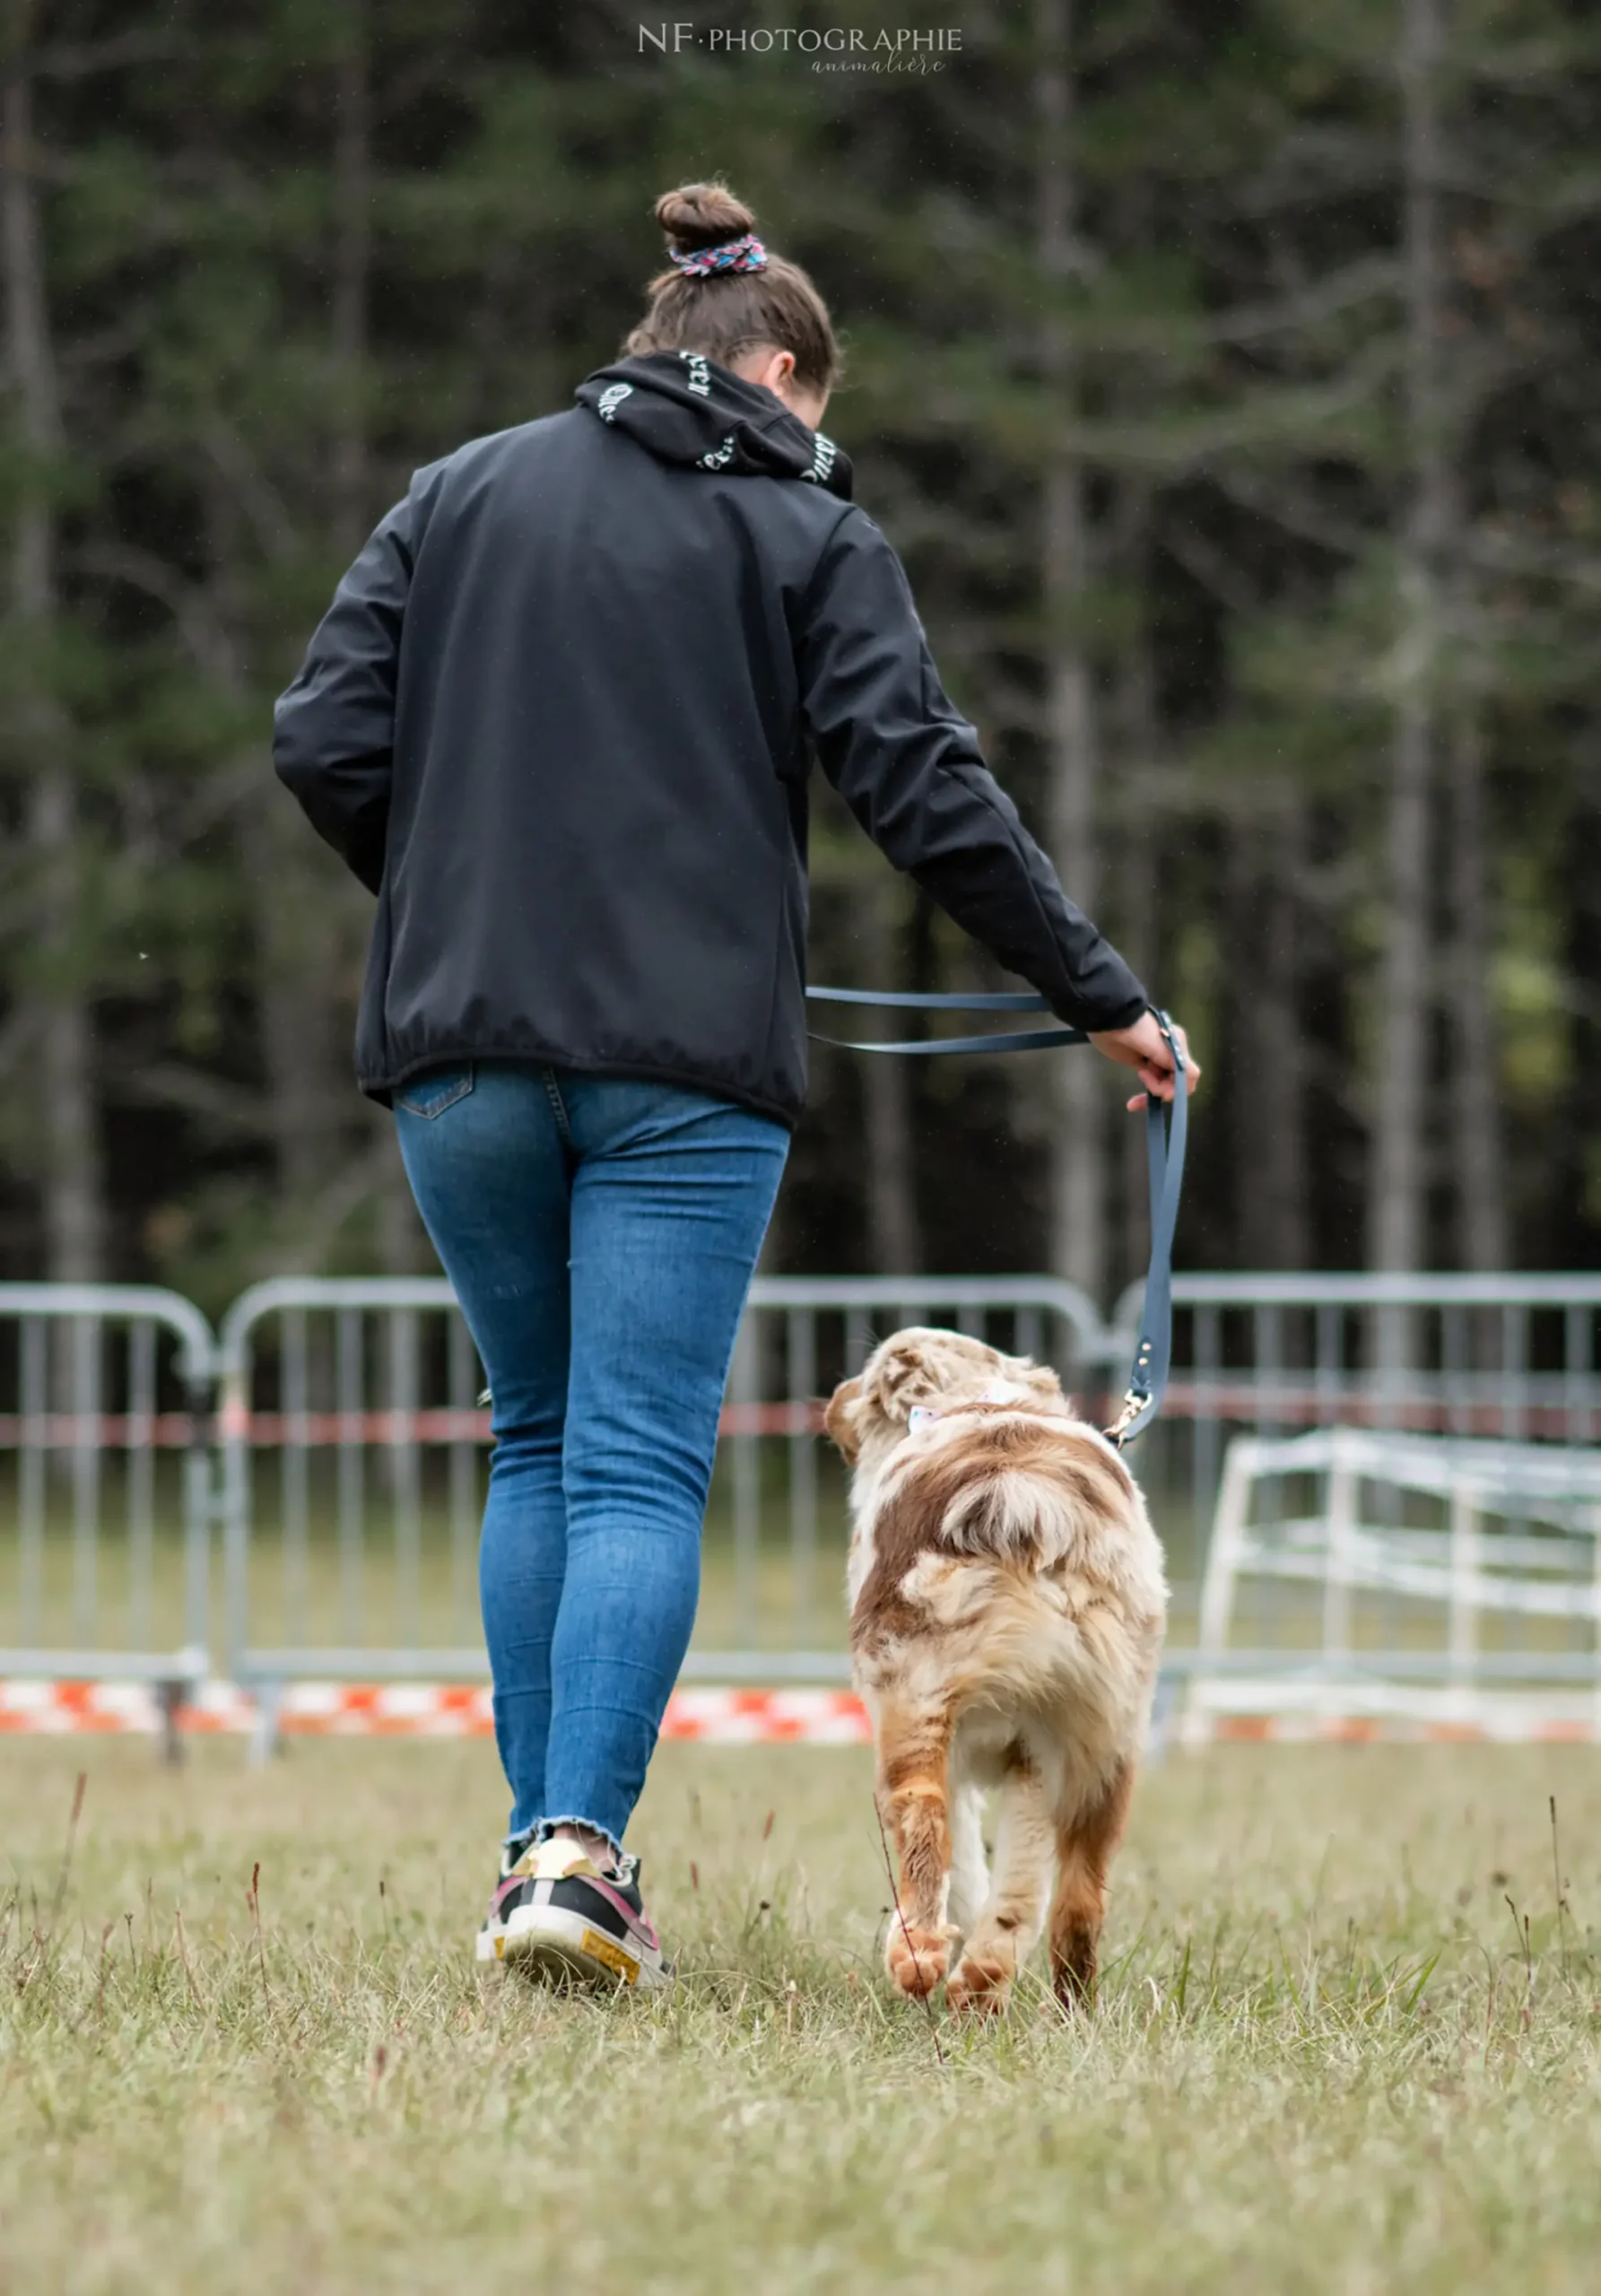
<point x="545" y="1941"/>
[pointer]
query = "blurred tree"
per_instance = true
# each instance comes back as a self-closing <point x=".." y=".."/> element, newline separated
<point x="1079" y="1206"/>
<point x="1225" y="374"/>
<point x="54" y="962"/>
<point x="1397" y="1193"/>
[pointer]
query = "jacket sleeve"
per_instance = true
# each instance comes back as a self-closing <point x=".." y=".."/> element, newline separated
<point x="334" y="728"/>
<point x="910" y="769"/>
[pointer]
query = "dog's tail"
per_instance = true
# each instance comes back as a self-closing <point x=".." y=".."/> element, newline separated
<point x="1035" y="1492"/>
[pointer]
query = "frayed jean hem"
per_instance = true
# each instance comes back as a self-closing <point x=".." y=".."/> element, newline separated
<point x="542" y="1829"/>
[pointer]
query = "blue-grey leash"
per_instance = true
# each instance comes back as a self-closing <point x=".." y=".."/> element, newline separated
<point x="924" y="1001"/>
<point x="1164" y="1159"/>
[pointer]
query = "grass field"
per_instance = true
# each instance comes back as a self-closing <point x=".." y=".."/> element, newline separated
<point x="1328" y="2056"/>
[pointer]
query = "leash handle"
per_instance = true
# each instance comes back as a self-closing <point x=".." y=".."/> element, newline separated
<point x="939" y="1001"/>
<point x="1165" y="1136"/>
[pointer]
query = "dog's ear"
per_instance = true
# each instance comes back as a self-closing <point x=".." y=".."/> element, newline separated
<point x="1039" y="1378"/>
<point x="840" y="1418"/>
<point x="901" y="1377"/>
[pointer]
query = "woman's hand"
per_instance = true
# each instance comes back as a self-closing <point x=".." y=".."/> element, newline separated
<point x="1144" y="1046"/>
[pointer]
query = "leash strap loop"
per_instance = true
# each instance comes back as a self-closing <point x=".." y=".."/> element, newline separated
<point x="931" y="1001"/>
<point x="1164" y="1158"/>
<point x="1164" y="1163"/>
<point x="935" y="1000"/>
<point x="1002" y="1040"/>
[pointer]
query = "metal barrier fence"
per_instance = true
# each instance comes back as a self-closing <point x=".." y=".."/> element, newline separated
<point x="1511" y="1357"/>
<point x="105" y="1458"/>
<point x="345" y="1467"/>
<point x="353" y="1453"/>
<point x="345" y="1404"/>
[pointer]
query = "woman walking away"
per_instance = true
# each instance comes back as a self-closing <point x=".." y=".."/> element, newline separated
<point x="560" y="718"/>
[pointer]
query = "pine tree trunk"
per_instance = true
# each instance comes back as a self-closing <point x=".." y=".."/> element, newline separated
<point x="1134" y="865"/>
<point x="1569" y="1166"/>
<point x="1077" y="1142"/>
<point x="1270" y="1080"/>
<point x="352" y="270"/>
<point x="1476" y="1116"/>
<point x="301" y="951"/>
<point x="402" y="1247"/>
<point x="894" y="1240"/>
<point x="72" y="1176"/>
<point x="1398" y="1206"/>
<point x="297" y="943"/>
<point x="1137" y="938"/>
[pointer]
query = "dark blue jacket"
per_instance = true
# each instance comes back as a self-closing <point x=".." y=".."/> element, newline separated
<point x="560" y="718"/>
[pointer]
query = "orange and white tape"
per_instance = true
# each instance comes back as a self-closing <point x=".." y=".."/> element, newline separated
<point x="56" y="1709"/>
<point x="1296" y="1711"/>
<point x="61" y="1708"/>
<point x="725" y="1717"/>
<point x="416" y="1710"/>
<point x="1394" y="1730"/>
<point x="749" y="1717"/>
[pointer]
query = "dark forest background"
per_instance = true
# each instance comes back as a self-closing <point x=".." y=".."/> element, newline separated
<point x="1228" y="373"/>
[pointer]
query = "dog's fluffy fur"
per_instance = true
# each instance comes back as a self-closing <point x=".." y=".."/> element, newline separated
<point x="1007" y="1605"/>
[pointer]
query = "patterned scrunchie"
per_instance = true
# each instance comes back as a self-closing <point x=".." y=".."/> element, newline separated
<point x="735" y="255"/>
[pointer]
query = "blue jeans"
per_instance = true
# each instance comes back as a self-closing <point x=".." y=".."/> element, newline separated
<point x="600" y="1233"/>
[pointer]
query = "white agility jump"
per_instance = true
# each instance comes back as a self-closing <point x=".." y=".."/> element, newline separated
<point x="1355" y="1579"/>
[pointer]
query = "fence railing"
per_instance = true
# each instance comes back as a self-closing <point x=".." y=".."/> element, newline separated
<point x="353" y="1455"/>
<point x="105" y="1469"/>
<point x="1510" y="1357"/>
<point x="330" y="1438"/>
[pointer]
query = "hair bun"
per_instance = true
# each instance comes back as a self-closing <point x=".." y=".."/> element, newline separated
<point x="702" y="215"/>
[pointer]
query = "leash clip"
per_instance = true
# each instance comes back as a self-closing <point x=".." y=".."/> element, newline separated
<point x="1133" y="1405"/>
<point x="1164" y="1156"/>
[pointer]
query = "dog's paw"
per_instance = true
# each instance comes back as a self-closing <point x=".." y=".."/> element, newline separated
<point x="980" y="1984"/>
<point x="916" y="1959"/>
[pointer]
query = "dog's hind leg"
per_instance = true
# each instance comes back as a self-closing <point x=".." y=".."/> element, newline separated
<point x="913" y="1797"/>
<point x="1013" y="1916"/>
<point x="1085" y="1847"/>
<point x="970" y="1869"/>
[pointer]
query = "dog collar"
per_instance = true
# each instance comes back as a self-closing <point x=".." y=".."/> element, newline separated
<point x="921" y="1414"/>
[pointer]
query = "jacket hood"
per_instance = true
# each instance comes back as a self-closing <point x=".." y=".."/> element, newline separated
<point x="686" y="408"/>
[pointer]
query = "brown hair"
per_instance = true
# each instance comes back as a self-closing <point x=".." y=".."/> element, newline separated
<point x="724" y="314"/>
